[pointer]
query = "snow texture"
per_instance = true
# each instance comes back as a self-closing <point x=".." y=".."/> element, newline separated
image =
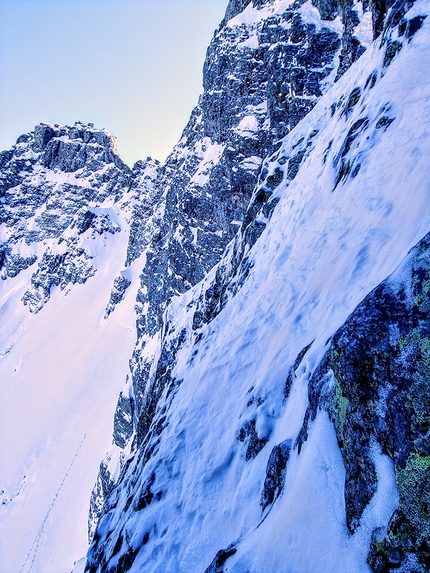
<point x="346" y="218"/>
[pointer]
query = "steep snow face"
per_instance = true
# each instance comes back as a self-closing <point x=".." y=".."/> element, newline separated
<point x="267" y="66"/>
<point x="236" y="470"/>
<point x="66" y="202"/>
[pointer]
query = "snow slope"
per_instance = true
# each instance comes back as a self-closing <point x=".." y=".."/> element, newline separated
<point x="61" y="371"/>
<point x="344" y="222"/>
<point x="66" y="203"/>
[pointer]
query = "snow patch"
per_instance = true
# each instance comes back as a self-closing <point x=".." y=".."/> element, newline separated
<point x="247" y="126"/>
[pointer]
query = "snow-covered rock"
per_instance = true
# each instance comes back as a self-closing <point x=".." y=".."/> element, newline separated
<point x="266" y="67"/>
<point x="264" y="439"/>
<point x="275" y="414"/>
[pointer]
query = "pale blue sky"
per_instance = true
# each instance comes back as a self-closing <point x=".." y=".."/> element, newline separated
<point x="131" y="66"/>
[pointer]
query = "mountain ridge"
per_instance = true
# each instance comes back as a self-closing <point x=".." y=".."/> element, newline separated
<point x="260" y="426"/>
<point x="166" y="379"/>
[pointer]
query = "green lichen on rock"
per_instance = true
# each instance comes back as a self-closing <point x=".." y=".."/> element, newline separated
<point x="294" y="164"/>
<point x="393" y="48"/>
<point x="414" y="356"/>
<point x="422" y="297"/>
<point x="384" y="121"/>
<point x="354" y="98"/>
<point x="371" y="80"/>
<point x="413" y="482"/>
<point x="406" y="544"/>
<point x="341" y="406"/>
<point x="374" y="382"/>
<point x="275" y="179"/>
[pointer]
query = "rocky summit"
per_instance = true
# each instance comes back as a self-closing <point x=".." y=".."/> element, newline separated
<point x="62" y="190"/>
<point x="257" y="308"/>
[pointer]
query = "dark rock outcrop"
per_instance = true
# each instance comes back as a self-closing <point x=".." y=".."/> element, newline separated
<point x="374" y="383"/>
<point x="275" y="473"/>
<point x="217" y="565"/>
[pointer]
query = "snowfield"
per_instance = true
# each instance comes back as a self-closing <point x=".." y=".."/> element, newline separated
<point x="61" y="372"/>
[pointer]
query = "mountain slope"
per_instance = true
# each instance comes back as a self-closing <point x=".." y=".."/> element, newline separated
<point x="66" y="204"/>
<point x="244" y="464"/>
<point x="261" y="427"/>
<point x="266" y="68"/>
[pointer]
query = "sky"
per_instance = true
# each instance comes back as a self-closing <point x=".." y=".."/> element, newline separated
<point x="133" y="67"/>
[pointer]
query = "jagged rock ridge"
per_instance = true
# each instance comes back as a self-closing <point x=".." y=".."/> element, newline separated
<point x="266" y="68"/>
<point x="224" y="411"/>
<point x="264" y="72"/>
<point x="63" y="190"/>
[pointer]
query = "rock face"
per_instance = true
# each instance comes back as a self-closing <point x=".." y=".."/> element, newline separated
<point x="168" y="504"/>
<point x="373" y="382"/>
<point x="380" y="362"/>
<point x="266" y="68"/>
<point x="62" y="189"/>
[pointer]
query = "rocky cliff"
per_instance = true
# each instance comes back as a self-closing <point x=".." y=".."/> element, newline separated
<point x="255" y="426"/>
<point x="275" y="412"/>
<point x="266" y="68"/>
